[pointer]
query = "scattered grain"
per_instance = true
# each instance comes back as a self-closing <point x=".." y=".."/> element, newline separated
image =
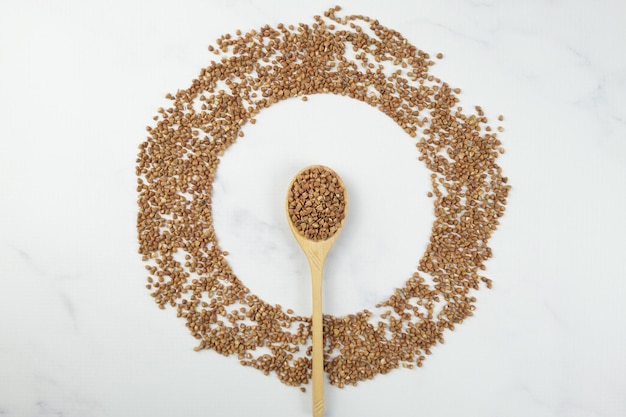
<point x="178" y="161"/>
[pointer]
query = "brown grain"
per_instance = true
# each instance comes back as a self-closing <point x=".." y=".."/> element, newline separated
<point x="316" y="203"/>
<point x="252" y="71"/>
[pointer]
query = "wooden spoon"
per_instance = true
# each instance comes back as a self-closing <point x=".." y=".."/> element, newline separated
<point x="316" y="251"/>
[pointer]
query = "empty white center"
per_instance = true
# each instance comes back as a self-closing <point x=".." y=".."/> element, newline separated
<point x="389" y="217"/>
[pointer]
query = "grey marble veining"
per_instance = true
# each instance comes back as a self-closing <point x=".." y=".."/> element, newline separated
<point x="79" y="333"/>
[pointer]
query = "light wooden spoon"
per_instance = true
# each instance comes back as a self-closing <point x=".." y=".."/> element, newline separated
<point x="316" y="251"/>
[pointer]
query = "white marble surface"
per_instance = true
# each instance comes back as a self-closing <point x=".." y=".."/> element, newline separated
<point x="79" y="334"/>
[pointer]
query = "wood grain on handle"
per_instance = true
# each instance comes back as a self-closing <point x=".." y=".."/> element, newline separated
<point x="316" y="262"/>
<point x="316" y="252"/>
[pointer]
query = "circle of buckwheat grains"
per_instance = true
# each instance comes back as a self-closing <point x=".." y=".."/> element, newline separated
<point x="352" y="56"/>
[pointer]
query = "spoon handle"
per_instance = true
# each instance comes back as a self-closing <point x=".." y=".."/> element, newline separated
<point x="316" y="264"/>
